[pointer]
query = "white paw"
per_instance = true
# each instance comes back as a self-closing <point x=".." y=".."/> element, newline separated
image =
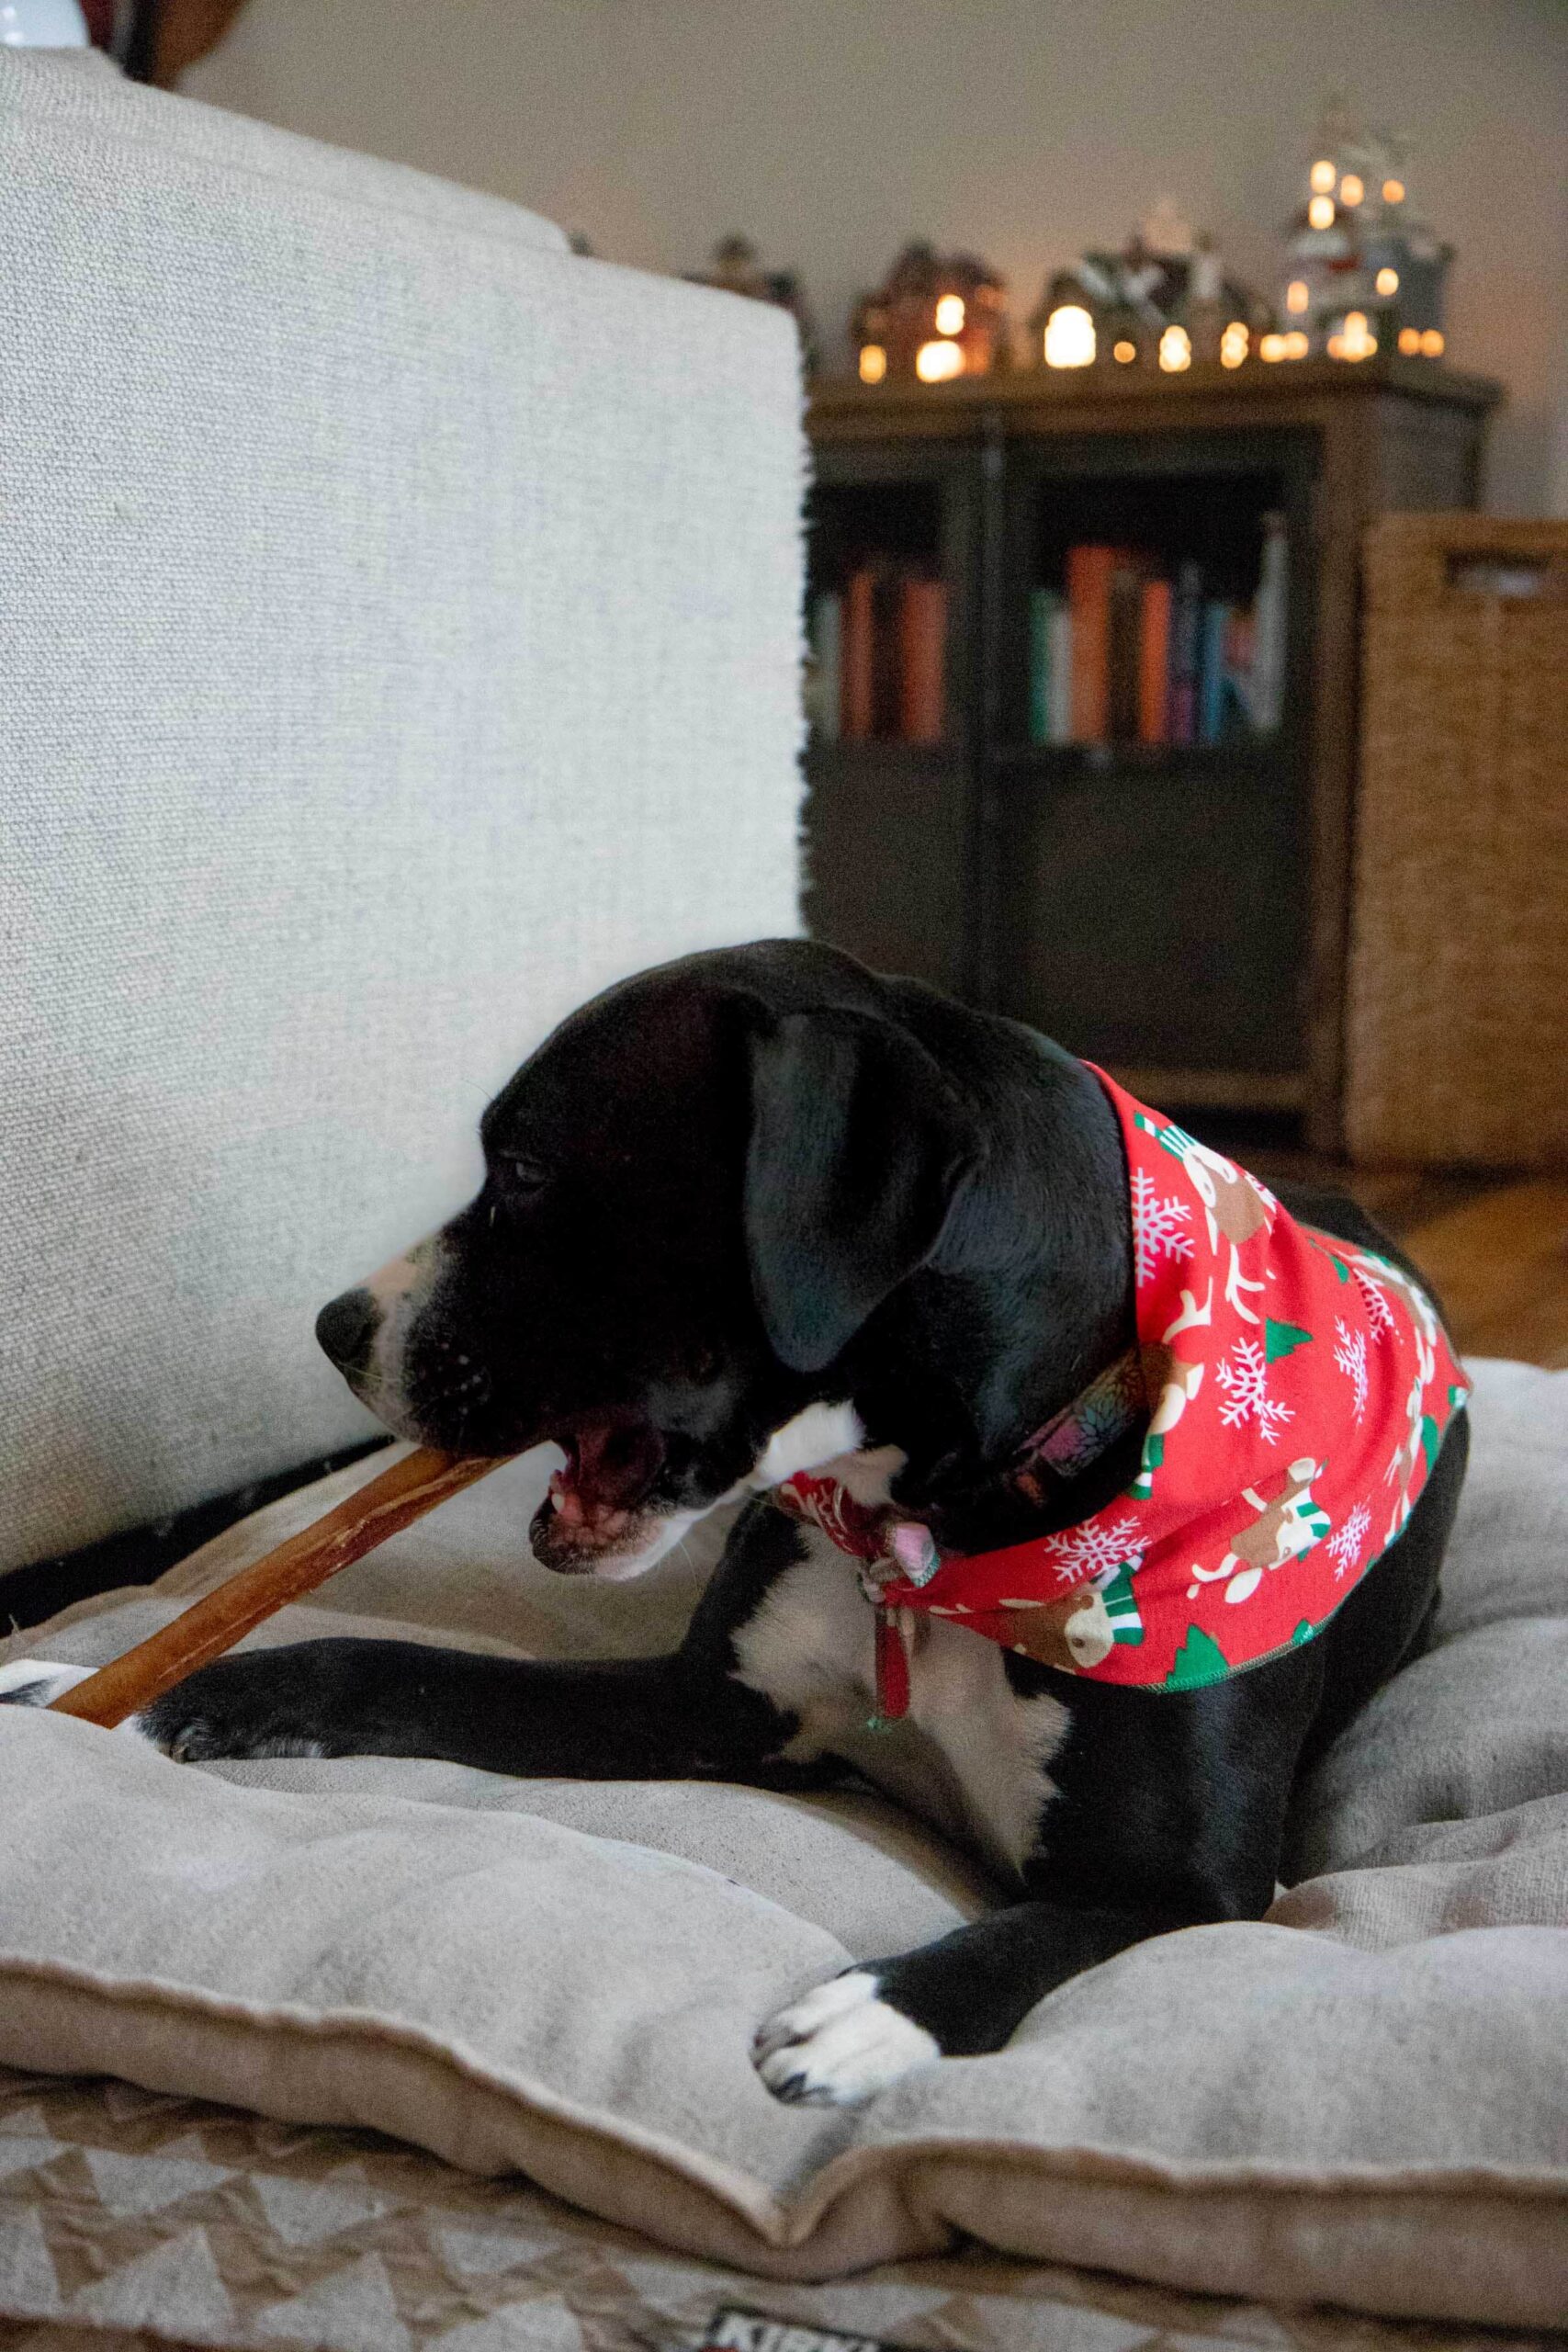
<point x="839" y="2044"/>
<point x="39" y="1682"/>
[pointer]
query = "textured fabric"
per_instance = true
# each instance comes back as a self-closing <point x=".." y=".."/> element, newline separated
<point x="400" y="620"/>
<point x="1259" y="1339"/>
<point x="200" y="2223"/>
<point x="1360" y="2099"/>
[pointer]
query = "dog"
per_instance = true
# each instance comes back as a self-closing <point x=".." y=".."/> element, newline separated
<point x="761" y="1225"/>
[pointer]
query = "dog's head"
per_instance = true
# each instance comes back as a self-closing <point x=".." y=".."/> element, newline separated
<point x="698" y="1194"/>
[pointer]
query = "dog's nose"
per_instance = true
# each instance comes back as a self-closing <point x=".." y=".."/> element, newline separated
<point x="345" y="1329"/>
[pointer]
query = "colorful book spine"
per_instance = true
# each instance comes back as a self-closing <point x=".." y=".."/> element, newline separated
<point x="857" y="705"/>
<point x="1211" y="671"/>
<point x="1045" y="605"/>
<point x="824" y="685"/>
<point x="1090" y="569"/>
<point x="1186" y="647"/>
<point x="1270" y="616"/>
<point x="922" y="669"/>
<point x="1124" y="648"/>
<point x="1154" y="663"/>
<point x="1060" y="700"/>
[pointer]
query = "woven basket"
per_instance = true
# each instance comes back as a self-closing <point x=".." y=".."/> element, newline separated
<point x="1457" y="1019"/>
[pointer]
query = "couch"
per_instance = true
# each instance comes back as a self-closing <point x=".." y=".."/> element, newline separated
<point x="402" y="616"/>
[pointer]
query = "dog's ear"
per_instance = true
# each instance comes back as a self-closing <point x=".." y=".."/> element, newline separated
<point x="857" y="1147"/>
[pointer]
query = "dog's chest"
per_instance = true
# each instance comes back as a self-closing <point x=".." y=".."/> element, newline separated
<point x="970" y="1755"/>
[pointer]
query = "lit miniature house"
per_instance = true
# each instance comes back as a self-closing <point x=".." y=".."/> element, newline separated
<point x="934" y="319"/>
<point x="1364" y="274"/>
<point x="1163" y="303"/>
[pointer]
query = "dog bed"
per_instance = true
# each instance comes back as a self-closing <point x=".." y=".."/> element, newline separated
<point x="1362" y="2100"/>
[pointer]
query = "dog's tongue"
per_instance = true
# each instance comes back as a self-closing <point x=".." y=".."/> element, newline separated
<point x="609" y="1467"/>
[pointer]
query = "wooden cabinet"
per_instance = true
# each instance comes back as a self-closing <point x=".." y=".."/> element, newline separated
<point x="1179" y="913"/>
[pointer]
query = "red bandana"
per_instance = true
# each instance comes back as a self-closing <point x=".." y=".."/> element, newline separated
<point x="1297" y="1389"/>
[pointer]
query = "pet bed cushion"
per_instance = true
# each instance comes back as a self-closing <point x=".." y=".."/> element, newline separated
<point x="1363" y="2098"/>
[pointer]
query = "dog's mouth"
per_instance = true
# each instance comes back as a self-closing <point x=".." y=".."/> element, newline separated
<point x="600" y="1508"/>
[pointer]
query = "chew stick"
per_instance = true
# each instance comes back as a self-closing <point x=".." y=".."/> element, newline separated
<point x="402" y="1494"/>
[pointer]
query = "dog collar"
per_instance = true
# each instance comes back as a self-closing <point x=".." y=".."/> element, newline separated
<point x="1294" y="1390"/>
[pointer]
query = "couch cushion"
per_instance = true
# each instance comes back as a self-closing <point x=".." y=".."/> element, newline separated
<point x="402" y="629"/>
<point x="1360" y="2099"/>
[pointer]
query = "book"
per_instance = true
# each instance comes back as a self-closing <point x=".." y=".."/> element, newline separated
<point x="1269" y="616"/>
<point x="1211" y="671"/>
<point x="1089" y="571"/>
<point x="1044" y="606"/>
<point x="1186" y="633"/>
<point x="1154" y="663"/>
<point x="824" y="673"/>
<point x="886" y="651"/>
<point x="922" y="661"/>
<point x="858" y="657"/>
<point x="1059" y="700"/>
<point x="1123" y="647"/>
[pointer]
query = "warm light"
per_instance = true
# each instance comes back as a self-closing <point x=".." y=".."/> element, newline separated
<point x="1296" y="296"/>
<point x="950" y="314"/>
<point x="1069" y="338"/>
<point x="1356" y="340"/>
<point x="1271" y="347"/>
<point x="1409" y="340"/>
<point x="1175" y="350"/>
<point x="935" y="363"/>
<point x="1323" y="177"/>
<point x="1432" y="344"/>
<point x="1124" y="351"/>
<point x="1393" y="191"/>
<point x="1296" y="344"/>
<point x="1233" y="344"/>
<point x="872" y="363"/>
<point x="1388" y="281"/>
<point x="1352" y="191"/>
<point x="1320" y="212"/>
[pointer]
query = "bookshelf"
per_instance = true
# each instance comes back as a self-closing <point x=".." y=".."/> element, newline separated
<point x="1175" y="909"/>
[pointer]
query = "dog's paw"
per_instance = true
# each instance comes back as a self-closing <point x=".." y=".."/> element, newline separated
<point x="237" y="1707"/>
<point x="839" y="2044"/>
<point x="39" y="1682"/>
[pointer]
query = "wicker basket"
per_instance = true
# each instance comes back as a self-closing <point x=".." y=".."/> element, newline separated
<point x="1457" y="1021"/>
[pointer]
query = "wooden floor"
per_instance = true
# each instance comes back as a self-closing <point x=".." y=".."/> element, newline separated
<point x="1496" y="1248"/>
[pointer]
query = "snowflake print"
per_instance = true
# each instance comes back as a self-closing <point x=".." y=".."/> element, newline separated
<point x="1345" y="1543"/>
<point x="1379" y="1313"/>
<point x="1156" y="1226"/>
<point x="1242" y="1376"/>
<point x="1350" y="1355"/>
<point x="1095" y="1549"/>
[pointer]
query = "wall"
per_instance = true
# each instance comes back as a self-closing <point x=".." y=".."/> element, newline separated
<point x="832" y="131"/>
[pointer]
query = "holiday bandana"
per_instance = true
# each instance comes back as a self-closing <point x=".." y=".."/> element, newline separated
<point x="1296" y="1388"/>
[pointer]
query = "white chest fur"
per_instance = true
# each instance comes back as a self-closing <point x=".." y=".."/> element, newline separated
<point x="970" y="1755"/>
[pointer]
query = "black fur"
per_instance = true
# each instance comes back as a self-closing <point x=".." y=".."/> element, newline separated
<point x="754" y="1180"/>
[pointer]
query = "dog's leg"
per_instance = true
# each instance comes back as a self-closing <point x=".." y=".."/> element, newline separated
<point x="1164" y="1810"/>
<point x="621" y="1719"/>
<point x="963" y="1995"/>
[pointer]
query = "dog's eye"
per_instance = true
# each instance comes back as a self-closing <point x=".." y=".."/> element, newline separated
<point x="519" y="1176"/>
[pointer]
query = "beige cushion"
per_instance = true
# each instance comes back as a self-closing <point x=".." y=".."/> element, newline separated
<point x="401" y="621"/>
<point x="1360" y="2099"/>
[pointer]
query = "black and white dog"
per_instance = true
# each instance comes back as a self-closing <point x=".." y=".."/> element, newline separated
<point x="760" y="1211"/>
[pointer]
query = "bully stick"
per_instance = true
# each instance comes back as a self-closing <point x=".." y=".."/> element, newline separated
<point x="403" y="1493"/>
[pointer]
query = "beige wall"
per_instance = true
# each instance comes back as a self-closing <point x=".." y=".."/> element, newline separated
<point x="831" y="131"/>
